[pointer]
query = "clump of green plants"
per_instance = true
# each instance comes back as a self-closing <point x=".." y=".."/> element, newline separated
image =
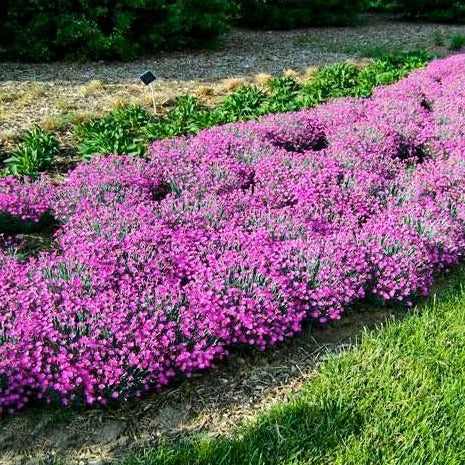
<point x="121" y="132"/>
<point x="35" y="154"/>
<point x="333" y="81"/>
<point x="242" y="105"/>
<point x="131" y="129"/>
<point x="457" y="42"/>
<point x="188" y="116"/>
<point x="284" y="95"/>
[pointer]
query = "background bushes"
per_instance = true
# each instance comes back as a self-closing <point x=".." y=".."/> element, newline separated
<point x="41" y="30"/>
<point x="44" y="30"/>
<point x="289" y="14"/>
<point x="430" y="10"/>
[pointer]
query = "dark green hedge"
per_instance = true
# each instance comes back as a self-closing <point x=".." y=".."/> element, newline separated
<point x="451" y="11"/>
<point x="42" y="30"/>
<point x="291" y="14"/>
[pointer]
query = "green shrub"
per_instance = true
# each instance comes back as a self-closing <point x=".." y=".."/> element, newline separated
<point x="35" y="154"/>
<point x="457" y="42"/>
<point x="290" y="14"/>
<point x="452" y="11"/>
<point x="38" y="30"/>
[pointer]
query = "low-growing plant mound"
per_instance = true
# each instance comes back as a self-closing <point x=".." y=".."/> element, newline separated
<point x="232" y="237"/>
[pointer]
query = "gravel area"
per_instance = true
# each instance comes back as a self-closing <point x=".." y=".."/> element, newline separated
<point x="244" y="53"/>
<point x="51" y="94"/>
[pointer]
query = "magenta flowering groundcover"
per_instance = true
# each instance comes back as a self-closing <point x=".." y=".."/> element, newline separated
<point x="232" y="237"/>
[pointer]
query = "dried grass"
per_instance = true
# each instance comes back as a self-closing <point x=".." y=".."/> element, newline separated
<point x="231" y="84"/>
<point x="262" y="78"/>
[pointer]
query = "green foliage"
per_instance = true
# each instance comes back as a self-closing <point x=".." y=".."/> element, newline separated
<point x="188" y="116"/>
<point x="284" y="95"/>
<point x="41" y="30"/>
<point x="448" y="11"/>
<point x="35" y="154"/>
<point x="291" y="14"/>
<point x="119" y="133"/>
<point x="333" y="81"/>
<point x="242" y="105"/>
<point x="457" y="42"/>
<point x="130" y="130"/>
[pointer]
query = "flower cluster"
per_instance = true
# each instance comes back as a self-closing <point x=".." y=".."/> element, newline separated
<point x="25" y="200"/>
<point x="233" y="236"/>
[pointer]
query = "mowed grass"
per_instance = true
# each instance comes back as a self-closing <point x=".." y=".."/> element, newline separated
<point x="397" y="398"/>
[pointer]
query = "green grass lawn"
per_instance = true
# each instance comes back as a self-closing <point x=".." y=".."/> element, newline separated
<point x="398" y="398"/>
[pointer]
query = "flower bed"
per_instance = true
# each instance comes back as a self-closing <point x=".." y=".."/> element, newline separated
<point x="234" y="236"/>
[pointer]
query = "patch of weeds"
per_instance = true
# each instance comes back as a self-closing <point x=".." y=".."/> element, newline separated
<point x="64" y="104"/>
<point x="91" y="88"/>
<point x="57" y="122"/>
<point x="231" y="84"/>
<point x="35" y="91"/>
<point x="8" y="97"/>
<point x="457" y="42"/>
